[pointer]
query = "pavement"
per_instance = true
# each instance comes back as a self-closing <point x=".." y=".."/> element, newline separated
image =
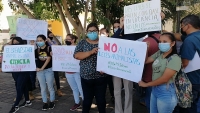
<point x="63" y="104"/>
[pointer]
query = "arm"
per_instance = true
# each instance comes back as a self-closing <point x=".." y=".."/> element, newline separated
<point x="82" y="55"/>
<point x="185" y="63"/>
<point x="46" y="63"/>
<point x="168" y="74"/>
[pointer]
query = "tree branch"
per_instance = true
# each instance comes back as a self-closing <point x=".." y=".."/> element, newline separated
<point x="23" y="8"/>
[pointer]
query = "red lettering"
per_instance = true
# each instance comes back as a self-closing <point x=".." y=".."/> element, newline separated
<point x="106" y="47"/>
<point x="114" y="48"/>
<point x="59" y="51"/>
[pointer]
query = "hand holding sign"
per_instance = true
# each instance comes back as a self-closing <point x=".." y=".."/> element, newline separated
<point x="122" y="22"/>
<point x="143" y="84"/>
<point x="94" y="51"/>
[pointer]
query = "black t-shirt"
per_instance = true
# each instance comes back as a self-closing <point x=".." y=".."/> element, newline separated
<point x="41" y="56"/>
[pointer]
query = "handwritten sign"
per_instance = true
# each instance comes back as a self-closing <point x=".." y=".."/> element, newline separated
<point x="142" y="17"/>
<point x="29" y="29"/>
<point x="63" y="59"/>
<point x="12" y="22"/>
<point x="17" y="58"/>
<point x="121" y="58"/>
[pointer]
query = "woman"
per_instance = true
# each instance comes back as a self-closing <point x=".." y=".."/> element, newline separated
<point x="44" y="71"/>
<point x="93" y="82"/>
<point x="20" y="79"/>
<point x="51" y="41"/>
<point x="166" y="64"/>
<point x="73" y="78"/>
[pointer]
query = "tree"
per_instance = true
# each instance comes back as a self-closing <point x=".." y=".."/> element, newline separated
<point x="1" y="6"/>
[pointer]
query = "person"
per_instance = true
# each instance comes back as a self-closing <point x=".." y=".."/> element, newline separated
<point x="51" y="41"/>
<point x="73" y="78"/>
<point x="128" y="85"/>
<point x="93" y="82"/>
<point x="44" y="71"/>
<point x="166" y="64"/>
<point x="116" y="25"/>
<point x="190" y="26"/>
<point x="32" y="78"/>
<point x="152" y="40"/>
<point x="1" y="56"/>
<point x="104" y="32"/>
<point x="20" y="79"/>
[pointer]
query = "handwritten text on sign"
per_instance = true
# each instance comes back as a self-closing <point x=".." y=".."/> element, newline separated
<point x="121" y="58"/>
<point x="29" y="29"/>
<point x="142" y="17"/>
<point x="63" y="59"/>
<point x="18" y="58"/>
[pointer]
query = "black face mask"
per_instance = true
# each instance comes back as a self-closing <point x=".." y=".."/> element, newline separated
<point x="68" y="42"/>
<point x="183" y="32"/>
<point x="51" y="38"/>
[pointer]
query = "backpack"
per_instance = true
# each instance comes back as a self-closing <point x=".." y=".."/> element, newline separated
<point x="183" y="88"/>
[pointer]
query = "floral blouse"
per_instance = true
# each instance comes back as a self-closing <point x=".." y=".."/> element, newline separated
<point x="88" y="65"/>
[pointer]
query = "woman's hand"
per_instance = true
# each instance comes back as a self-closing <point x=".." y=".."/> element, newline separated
<point x="143" y="84"/>
<point x="94" y="51"/>
<point x="162" y="16"/>
<point x="122" y="22"/>
<point x="38" y="69"/>
<point x="101" y="72"/>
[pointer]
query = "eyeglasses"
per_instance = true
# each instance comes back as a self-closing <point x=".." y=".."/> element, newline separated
<point x="92" y="31"/>
<point x="183" y="26"/>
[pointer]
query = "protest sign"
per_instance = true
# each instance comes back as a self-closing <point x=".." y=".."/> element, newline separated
<point x="121" y="58"/>
<point x="193" y="64"/>
<point x="29" y="29"/>
<point x="17" y="58"/>
<point x="142" y="17"/>
<point x="63" y="59"/>
<point x="12" y="22"/>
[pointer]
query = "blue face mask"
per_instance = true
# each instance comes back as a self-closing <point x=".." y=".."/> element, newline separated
<point x="92" y="35"/>
<point x="164" y="47"/>
<point x="40" y="44"/>
<point x="115" y="29"/>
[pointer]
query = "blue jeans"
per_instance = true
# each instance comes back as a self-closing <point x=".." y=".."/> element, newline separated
<point x="46" y="77"/>
<point x="163" y="99"/>
<point x="74" y="81"/>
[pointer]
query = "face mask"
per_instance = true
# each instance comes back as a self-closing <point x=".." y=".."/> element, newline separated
<point x="92" y="35"/>
<point x="103" y="35"/>
<point x="68" y="42"/>
<point x="183" y="32"/>
<point x="51" y="38"/>
<point x="40" y="44"/>
<point x="115" y="29"/>
<point x="164" y="47"/>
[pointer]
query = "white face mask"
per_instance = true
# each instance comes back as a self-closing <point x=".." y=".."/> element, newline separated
<point x="115" y="29"/>
<point x="103" y="35"/>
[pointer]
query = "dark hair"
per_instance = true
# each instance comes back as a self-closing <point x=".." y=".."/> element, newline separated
<point x="192" y="20"/>
<point x="116" y="21"/>
<point x="73" y="37"/>
<point x="173" y="39"/>
<point x="19" y="39"/>
<point x="43" y="38"/>
<point x="152" y="32"/>
<point x="104" y="29"/>
<point x="48" y="32"/>
<point x="93" y="25"/>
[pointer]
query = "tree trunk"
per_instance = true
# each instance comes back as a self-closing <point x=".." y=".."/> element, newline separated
<point x="85" y="19"/>
<point x="93" y="10"/>
<point x="24" y="9"/>
<point x="76" y="27"/>
<point x="62" y="17"/>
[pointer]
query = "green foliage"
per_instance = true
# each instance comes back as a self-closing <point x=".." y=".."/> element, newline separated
<point x="107" y="11"/>
<point x="1" y="6"/>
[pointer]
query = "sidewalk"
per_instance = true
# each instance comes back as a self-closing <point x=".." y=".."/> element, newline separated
<point x="63" y="104"/>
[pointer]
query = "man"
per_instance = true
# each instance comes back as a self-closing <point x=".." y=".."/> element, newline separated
<point x="191" y="44"/>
